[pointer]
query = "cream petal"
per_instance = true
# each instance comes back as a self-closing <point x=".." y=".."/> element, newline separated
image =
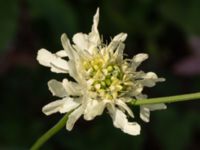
<point x="72" y="88"/>
<point x="61" y="53"/>
<point x="120" y="121"/>
<point x="123" y="105"/>
<point x="118" y="54"/>
<point x="94" y="37"/>
<point x="90" y="41"/>
<point x="74" y="57"/>
<point x="93" y="108"/>
<point x="81" y="40"/>
<point x="64" y="105"/>
<point x="73" y="117"/>
<point x="144" y="113"/>
<point x="153" y="107"/>
<point x="150" y="79"/>
<point x="69" y="105"/>
<point x="67" y="46"/>
<point x="95" y="22"/>
<point x="121" y="37"/>
<point x="56" y="63"/>
<point x="45" y="57"/>
<point x="138" y="59"/>
<point x="74" y="71"/>
<point x="137" y="89"/>
<point x="59" y="66"/>
<point x="57" y="88"/>
<point x="145" y="110"/>
<point x="141" y="96"/>
<point x="132" y="128"/>
<point x="53" y="107"/>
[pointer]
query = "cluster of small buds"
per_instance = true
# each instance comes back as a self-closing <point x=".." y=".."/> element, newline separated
<point x="105" y="80"/>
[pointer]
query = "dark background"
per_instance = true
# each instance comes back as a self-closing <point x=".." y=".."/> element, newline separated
<point x="168" y="30"/>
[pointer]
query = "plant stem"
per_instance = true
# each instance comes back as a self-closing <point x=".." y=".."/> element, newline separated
<point x="167" y="99"/>
<point x="50" y="133"/>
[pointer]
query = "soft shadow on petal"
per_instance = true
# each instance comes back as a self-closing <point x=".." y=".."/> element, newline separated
<point x="73" y="117"/>
<point x="57" y="88"/>
<point x="93" y="108"/>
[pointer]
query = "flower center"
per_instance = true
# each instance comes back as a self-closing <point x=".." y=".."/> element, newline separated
<point x="105" y="80"/>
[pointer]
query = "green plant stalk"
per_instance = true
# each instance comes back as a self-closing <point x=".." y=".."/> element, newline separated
<point x="46" y="136"/>
<point x="167" y="99"/>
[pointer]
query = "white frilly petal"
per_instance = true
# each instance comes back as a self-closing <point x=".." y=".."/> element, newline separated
<point x="90" y="41"/>
<point x="61" y="53"/>
<point x="57" y="88"/>
<point x="120" y="121"/>
<point x="145" y="110"/>
<point x="93" y="108"/>
<point x="138" y="59"/>
<point x="144" y="113"/>
<point x="73" y="117"/>
<point x="81" y="40"/>
<point x="118" y="54"/>
<point x="95" y="22"/>
<point x="72" y="88"/>
<point x="123" y="105"/>
<point x="65" y="105"/>
<point x="153" y="107"/>
<point x="94" y="37"/>
<point x="74" y="57"/>
<point x="121" y="37"/>
<point x="150" y="79"/>
<point x="53" y="107"/>
<point x="67" y="46"/>
<point x="69" y="105"/>
<point x="56" y="63"/>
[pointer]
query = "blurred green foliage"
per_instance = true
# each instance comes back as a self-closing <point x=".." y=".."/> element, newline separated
<point x="160" y="28"/>
<point x="9" y="12"/>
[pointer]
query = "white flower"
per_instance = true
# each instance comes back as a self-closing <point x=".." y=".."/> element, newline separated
<point x="103" y="80"/>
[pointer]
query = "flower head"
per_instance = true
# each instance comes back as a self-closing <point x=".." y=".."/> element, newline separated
<point x="103" y="80"/>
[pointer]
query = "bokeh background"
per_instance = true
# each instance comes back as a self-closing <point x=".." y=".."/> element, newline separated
<point x="168" y="30"/>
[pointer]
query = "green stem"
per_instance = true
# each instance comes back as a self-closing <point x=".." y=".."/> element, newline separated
<point x="50" y="133"/>
<point x="167" y="99"/>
